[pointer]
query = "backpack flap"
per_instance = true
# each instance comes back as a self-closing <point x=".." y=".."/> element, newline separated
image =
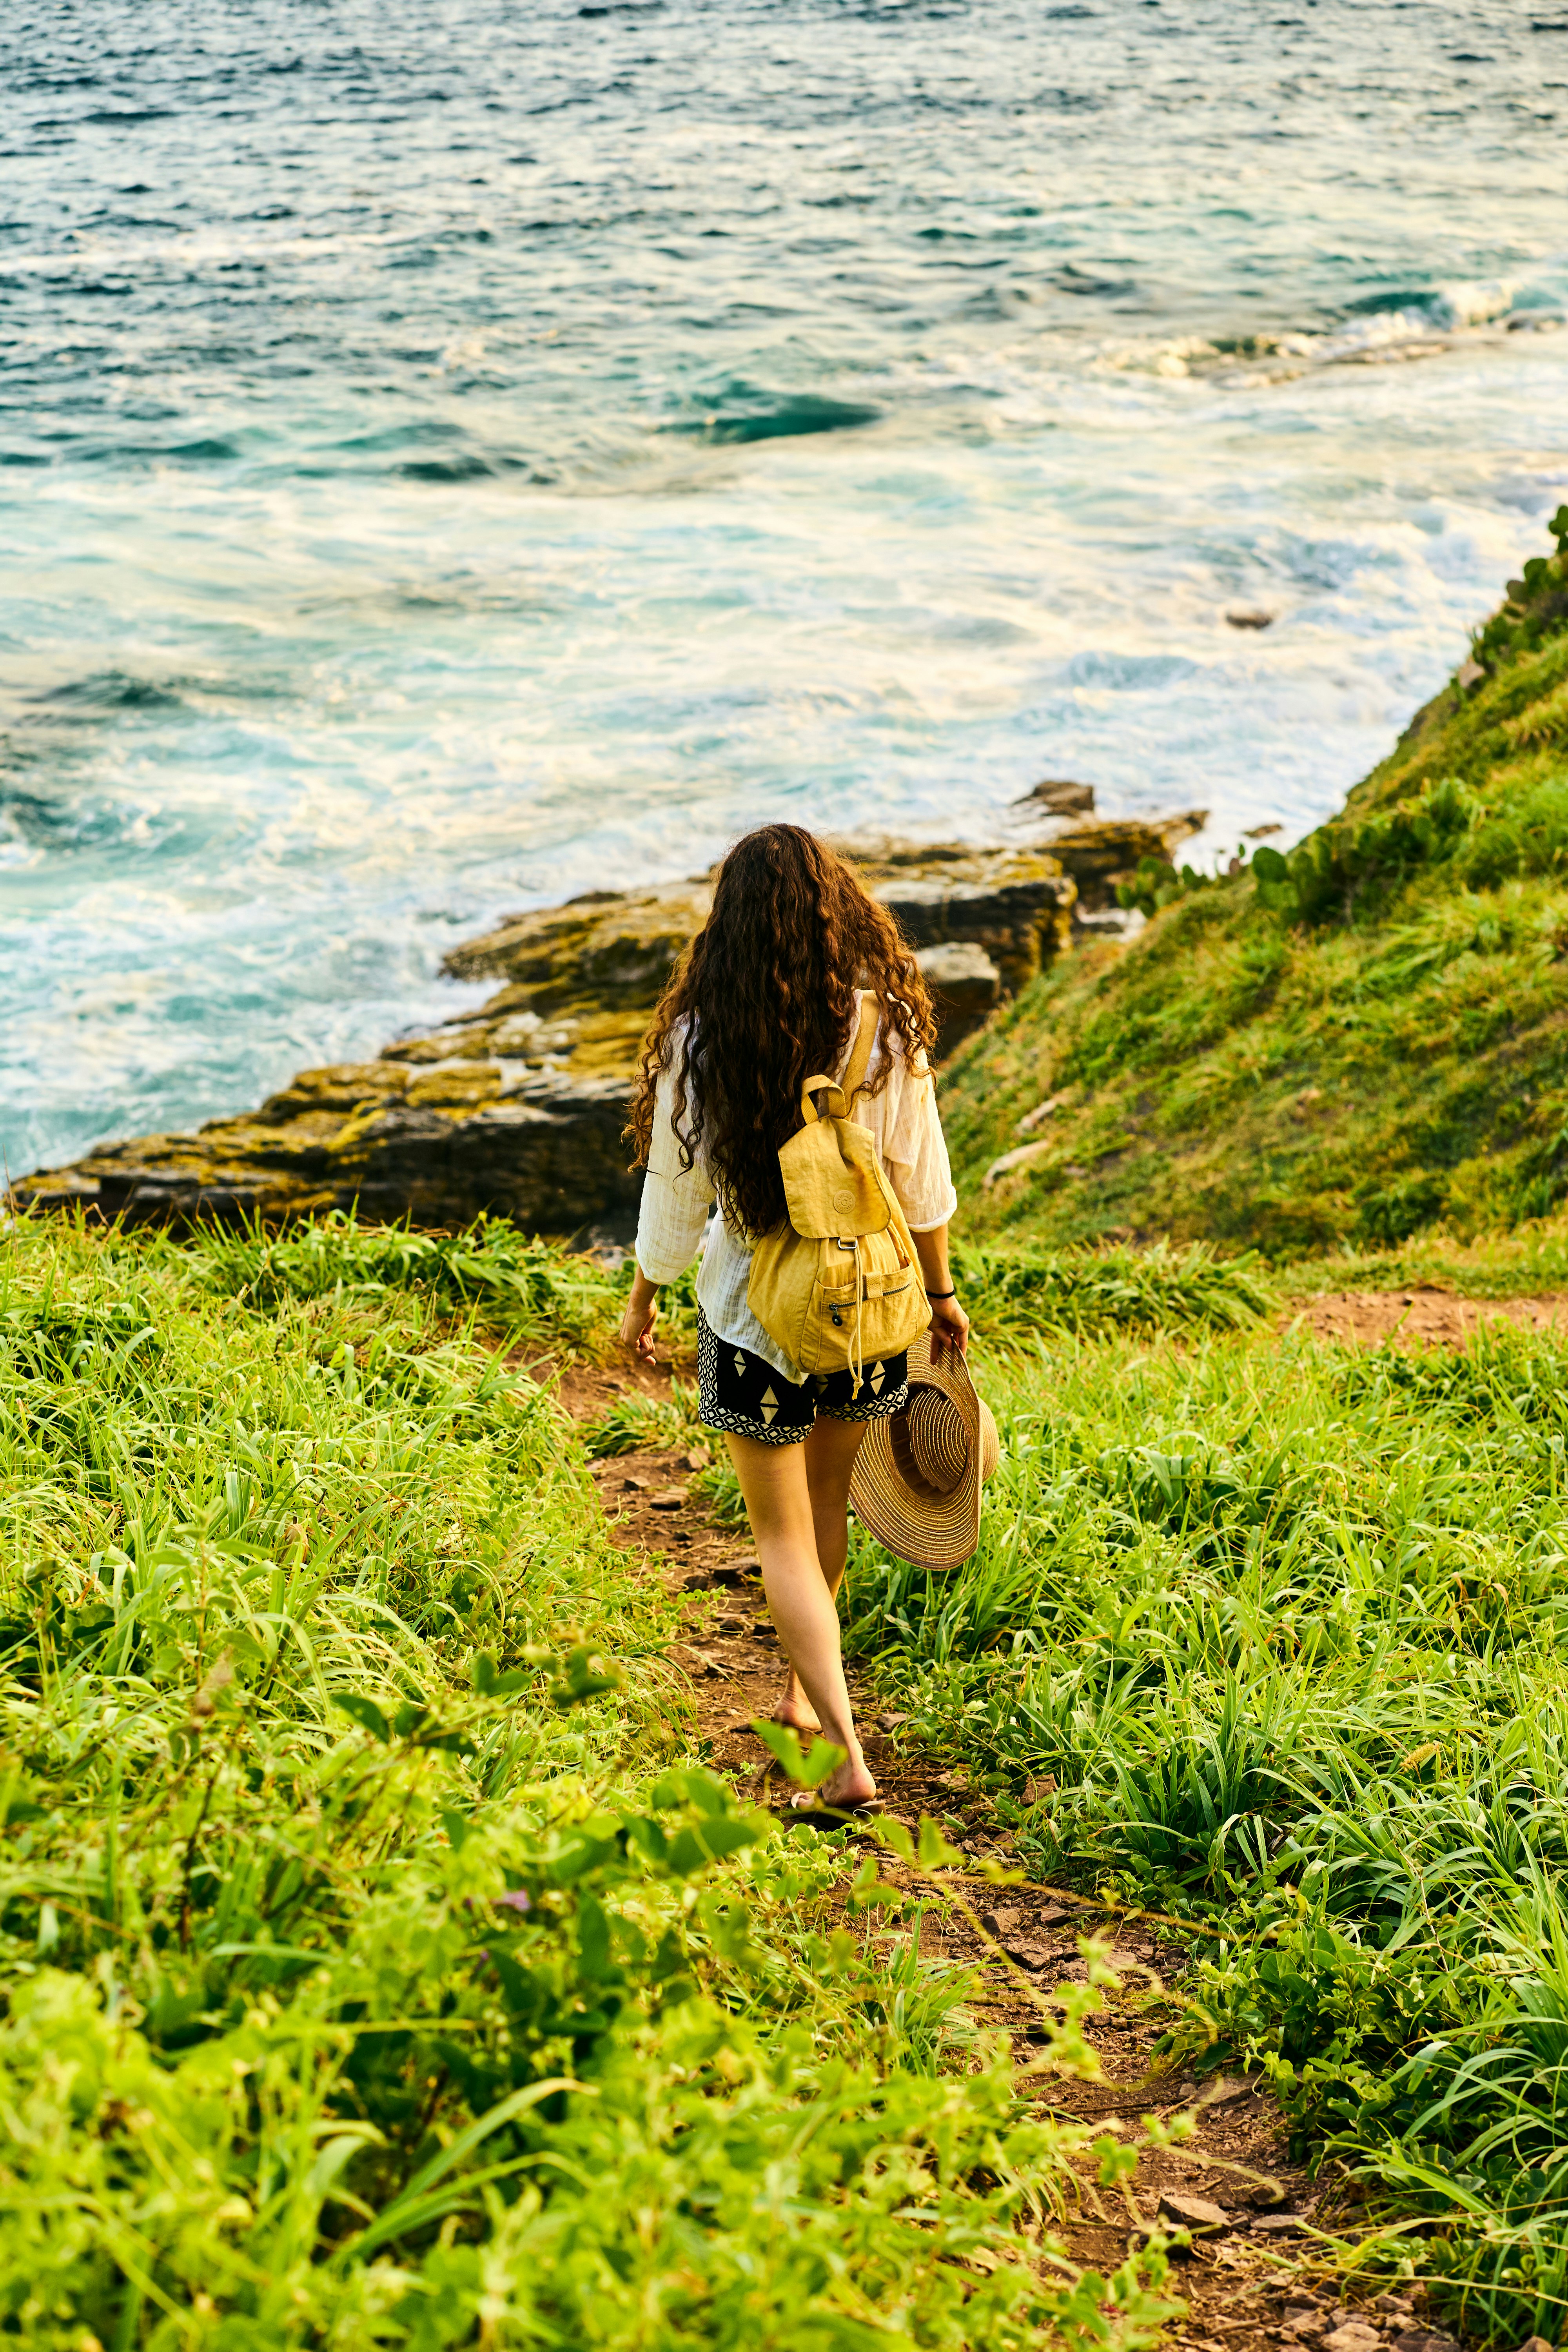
<point x="831" y="1180"/>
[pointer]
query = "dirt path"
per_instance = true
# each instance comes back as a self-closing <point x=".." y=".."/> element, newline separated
<point x="1411" y="1319"/>
<point x="1250" y="2283"/>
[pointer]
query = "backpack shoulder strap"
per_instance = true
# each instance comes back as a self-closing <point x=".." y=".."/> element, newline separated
<point x="853" y="1079"/>
<point x="859" y="1060"/>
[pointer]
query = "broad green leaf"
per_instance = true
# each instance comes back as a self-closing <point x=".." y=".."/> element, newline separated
<point x="934" y="1852"/>
<point x="894" y="1835"/>
<point x="807" y="1771"/>
<point x="868" y="1889"/>
<point x="365" y="1713"/>
<point x="782" y="1744"/>
<point x="695" y="1848"/>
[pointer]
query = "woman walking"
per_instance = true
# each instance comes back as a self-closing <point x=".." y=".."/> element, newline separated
<point x="796" y="973"/>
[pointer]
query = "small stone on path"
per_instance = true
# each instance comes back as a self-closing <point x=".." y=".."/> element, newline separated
<point x="1226" y="2088"/>
<point x="1355" y="2335"/>
<point x="1198" y="2213"/>
<point x="693" y="1661"/>
<point x="999" y="1923"/>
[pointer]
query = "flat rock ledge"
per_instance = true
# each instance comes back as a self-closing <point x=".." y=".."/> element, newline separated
<point x="519" y="1109"/>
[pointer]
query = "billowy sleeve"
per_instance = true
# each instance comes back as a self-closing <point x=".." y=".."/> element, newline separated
<point x="674" y="1200"/>
<point x="915" y="1150"/>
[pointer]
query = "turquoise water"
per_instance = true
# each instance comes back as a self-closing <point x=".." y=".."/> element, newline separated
<point x="457" y="455"/>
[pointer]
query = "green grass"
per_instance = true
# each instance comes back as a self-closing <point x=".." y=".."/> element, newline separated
<point x="1277" y="1635"/>
<point x="380" y="1965"/>
<point x="1361" y="1045"/>
<point x="637" y="1421"/>
<point x="1528" y="1262"/>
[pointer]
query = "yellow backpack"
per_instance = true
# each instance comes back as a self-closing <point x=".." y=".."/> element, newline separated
<point x="838" y="1285"/>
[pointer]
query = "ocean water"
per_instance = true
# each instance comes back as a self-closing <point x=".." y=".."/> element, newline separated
<point x="457" y="454"/>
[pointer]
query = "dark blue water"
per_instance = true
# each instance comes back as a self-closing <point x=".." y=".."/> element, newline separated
<point x="456" y="455"/>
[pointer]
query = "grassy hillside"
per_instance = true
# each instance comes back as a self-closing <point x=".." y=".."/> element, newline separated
<point x="1361" y="1042"/>
<point x="1272" y="1634"/>
<point x="378" y="1964"/>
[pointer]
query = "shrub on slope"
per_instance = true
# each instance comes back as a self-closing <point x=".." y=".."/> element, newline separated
<point x="1352" y="1044"/>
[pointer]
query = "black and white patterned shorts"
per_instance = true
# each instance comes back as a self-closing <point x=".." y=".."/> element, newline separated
<point x="739" y="1390"/>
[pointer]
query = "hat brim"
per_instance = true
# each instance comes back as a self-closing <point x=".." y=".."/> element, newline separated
<point x="914" y="1520"/>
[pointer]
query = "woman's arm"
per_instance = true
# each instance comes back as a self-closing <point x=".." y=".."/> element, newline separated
<point x="915" y="1155"/>
<point x="671" y="1215"/>
<point x="949" y="1323"/>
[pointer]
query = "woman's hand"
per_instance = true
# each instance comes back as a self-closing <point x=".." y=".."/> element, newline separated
<point x="948" y="1327"/>
<point x="641" y="1315"/>
<point x="949" y="1323"/>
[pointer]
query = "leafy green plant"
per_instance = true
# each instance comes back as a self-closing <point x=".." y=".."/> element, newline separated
<point x="637" y="1421"/>
<point x="1158" y="883"/>
<point x="1336" y="865"/>
<point x="1017" y="1295"/>
<point x="376" y="1965"/>
<point x="1537" y="604"/>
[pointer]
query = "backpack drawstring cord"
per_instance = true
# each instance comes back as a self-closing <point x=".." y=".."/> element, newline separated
<point x="856" y="1337"/>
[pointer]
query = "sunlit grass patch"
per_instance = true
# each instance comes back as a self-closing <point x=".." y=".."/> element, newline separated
<point x="1272" y="1635"/>
<point x="636" y="1421"/>
<point x="376" y="1964"/>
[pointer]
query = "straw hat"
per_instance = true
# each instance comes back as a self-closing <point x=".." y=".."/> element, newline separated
<point x="917" y="1477"/>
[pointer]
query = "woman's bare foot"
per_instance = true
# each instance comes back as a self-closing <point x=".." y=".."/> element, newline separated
<point x="843" y="1790"/>
<point x="795" y="1710"/>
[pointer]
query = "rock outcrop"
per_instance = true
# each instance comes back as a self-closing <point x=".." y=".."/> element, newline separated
<point x="965" y="987"/>
<point x="517" y="1108"/>
<point x="1016" y="906"/>
<point x="436" y="1143"/>
<point x="1099" y="857"/>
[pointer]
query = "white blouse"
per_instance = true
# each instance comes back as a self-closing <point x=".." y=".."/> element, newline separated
<point x="676" y="1202"/>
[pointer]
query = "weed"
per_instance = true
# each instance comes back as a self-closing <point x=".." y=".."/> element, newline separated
<point x="637" y="1420"/>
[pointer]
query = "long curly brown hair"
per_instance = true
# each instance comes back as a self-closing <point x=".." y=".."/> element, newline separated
<point x="762" y="999"/>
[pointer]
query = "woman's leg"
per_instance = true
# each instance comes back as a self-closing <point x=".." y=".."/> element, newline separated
<point x="830" y="1452"/>
<point x="780" y="1506"/>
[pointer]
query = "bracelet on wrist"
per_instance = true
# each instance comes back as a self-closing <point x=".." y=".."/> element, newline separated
<point x="941" y="1293"/>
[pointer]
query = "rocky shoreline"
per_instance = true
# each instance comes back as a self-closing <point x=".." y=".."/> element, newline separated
<point x="517" y="1108"/>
